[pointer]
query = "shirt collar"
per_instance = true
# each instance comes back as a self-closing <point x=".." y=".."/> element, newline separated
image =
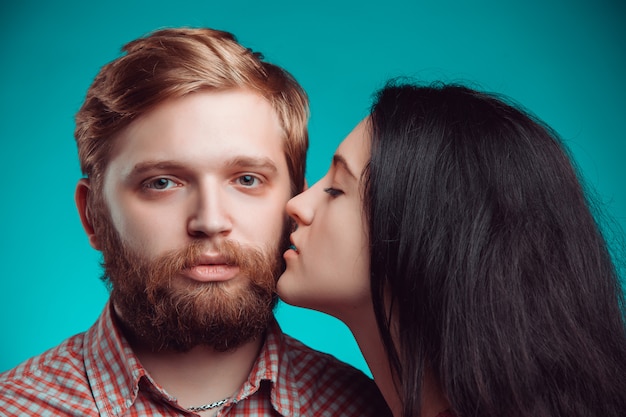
<point x="114" y="371"/>
<point x="273" y="366"/>
<point x="112" y="368"/>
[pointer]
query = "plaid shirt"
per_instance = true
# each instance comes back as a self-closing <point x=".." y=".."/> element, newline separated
<point x="97" y="374"/>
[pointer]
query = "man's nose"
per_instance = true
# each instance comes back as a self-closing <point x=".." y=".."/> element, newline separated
<point x="209" y="212"/>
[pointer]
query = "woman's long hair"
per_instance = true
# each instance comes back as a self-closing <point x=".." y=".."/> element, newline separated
<point x="486" y="256"/>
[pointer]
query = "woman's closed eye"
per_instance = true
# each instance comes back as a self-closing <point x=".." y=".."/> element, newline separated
<point x="333" y="192"/>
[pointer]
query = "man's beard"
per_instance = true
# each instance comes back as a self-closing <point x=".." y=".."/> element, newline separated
<point x="161" y="311"/>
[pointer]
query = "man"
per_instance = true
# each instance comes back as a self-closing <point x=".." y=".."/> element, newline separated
<point x="191" y="145"/>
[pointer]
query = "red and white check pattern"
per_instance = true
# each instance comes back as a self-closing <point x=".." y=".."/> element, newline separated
<point x="97" y="374"/>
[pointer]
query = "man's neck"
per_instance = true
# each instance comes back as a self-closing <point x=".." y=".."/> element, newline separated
<point x="201" y="375"/>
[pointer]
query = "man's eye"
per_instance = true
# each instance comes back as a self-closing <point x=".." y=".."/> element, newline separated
<point x="333" y="192"/>
<point x="248" y="180"/>
<point x="160" y="184"/>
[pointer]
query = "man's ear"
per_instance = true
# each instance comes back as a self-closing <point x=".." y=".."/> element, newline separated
<point x="81" y="197"/>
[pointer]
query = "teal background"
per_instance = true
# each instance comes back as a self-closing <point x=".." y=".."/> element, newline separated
<point x="563" y="59"/>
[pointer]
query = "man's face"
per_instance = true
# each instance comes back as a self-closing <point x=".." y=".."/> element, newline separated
<point x="192" y="219"/>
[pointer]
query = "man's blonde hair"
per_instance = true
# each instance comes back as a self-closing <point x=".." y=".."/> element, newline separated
<point x="171" y="63"/>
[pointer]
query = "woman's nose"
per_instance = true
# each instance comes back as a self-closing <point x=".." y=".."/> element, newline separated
<point x="301" y="207"/>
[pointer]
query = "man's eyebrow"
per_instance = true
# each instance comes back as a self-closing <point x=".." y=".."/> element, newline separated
<point x="145" y="166"/>
<point x="340" y="160"/>
<point x="247" y="162"/>
<point x="239" y="162"/>
<point x="242" y="162"/>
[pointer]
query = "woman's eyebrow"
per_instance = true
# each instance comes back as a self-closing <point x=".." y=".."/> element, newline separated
<point x="339" y="160"/>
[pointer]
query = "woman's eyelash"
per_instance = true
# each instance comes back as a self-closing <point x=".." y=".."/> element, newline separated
<point x="333" y="192"/>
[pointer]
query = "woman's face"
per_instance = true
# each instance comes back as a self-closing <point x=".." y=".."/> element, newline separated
<point x="329" y="269"/>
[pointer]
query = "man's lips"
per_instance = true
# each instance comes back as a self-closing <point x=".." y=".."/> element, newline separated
<point x="208" y="273"/>
<point x="211" y="268"/>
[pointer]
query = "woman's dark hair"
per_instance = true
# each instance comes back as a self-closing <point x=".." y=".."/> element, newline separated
<point x="500" y="281"/>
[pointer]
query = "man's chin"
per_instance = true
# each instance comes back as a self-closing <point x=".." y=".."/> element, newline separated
<point x="161" y="308"/>
<point x="211" y="316"/>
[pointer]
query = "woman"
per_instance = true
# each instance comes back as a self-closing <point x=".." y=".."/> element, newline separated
<point x="453" y="237"/>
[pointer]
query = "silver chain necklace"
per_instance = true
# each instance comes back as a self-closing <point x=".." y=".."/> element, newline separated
<point x="208" y="406"/>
